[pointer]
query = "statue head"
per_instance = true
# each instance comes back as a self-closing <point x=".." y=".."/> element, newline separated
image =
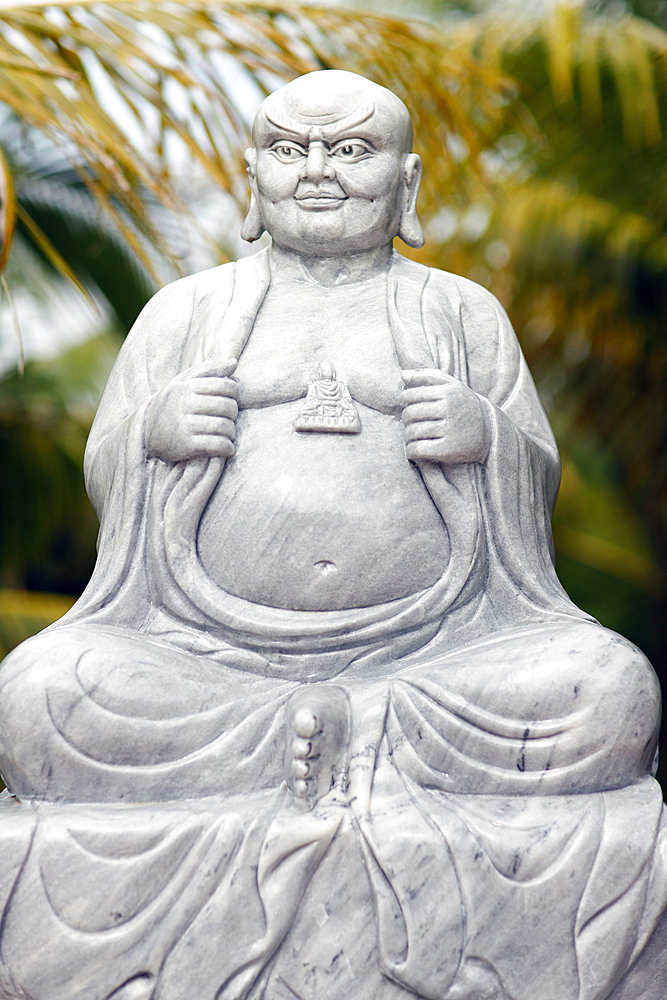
<point x="332" y="169"/>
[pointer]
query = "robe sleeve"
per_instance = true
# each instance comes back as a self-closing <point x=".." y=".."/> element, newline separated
<point x="166" y="339"/>
<point x="493" y="365"/>
<point x="150" y="357"/>
<point x="522" y="472"/>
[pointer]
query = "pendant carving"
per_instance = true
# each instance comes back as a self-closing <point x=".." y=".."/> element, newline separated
<point x="328" y="407"/>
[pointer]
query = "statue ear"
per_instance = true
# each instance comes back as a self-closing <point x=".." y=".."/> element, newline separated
<point x="410" y="230"/>
<point x="253" y="225"/>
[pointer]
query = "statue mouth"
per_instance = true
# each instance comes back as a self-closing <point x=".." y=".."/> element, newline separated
<point x="320" y="199"/>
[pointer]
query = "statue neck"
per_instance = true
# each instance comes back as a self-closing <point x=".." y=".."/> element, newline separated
<point x="337" y="270"/>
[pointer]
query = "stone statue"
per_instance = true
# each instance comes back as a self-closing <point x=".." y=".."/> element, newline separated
<point x="324" y="725"/>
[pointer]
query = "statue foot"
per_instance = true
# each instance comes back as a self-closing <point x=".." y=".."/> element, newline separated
<point x="318" y="726"/>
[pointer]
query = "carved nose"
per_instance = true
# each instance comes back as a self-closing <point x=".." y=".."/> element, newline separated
<point x="317" y="166"/>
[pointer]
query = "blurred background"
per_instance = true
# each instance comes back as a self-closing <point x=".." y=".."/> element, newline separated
<point x="122" y="128"/>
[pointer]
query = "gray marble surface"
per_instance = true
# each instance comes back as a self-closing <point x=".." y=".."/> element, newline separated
<point x="324" y="725"/>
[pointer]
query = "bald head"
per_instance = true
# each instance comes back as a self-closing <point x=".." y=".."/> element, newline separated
<point x="332" y="170"/>
<point x="327" y="103"/>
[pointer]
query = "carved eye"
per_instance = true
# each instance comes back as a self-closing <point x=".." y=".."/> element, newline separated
<point x="351" y="149"/>
<point x="288" y="152"/>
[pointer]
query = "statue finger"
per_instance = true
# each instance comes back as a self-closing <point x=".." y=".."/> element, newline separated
<point x="209" y="385"/>
<point x="207" y="425"/>
<point x="426" y="430"/>
<point x="211" y="369"/>
<point x="440" y="450"/>
<point x="431" y="410"/>
<point x="417" y="377"/>
<point x="215" y="406"/>
<point x="212" y="446"/>
<point x="423" y="394"/>
<point x="430" y="450"/>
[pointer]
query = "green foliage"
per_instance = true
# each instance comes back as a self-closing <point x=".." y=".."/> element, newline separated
<point x="24" y="613"/>
<point x="65" y="212"/>
<point x="48" y="528"/>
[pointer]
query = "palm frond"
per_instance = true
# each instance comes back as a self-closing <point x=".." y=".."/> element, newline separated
<point x="575" y="242"/>
<point x="119" y="84"/>
<point x="70" y="220"/>
<point x="578" y="51"/>
<point x="7" y="211"/>
<point x="551" y="227"/>
<point x="44" y="421"/>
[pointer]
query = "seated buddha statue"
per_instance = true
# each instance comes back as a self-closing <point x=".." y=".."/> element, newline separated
<point x="325" y="482"/>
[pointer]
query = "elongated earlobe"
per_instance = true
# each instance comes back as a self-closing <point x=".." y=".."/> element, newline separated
<point x="410" y="230"/>
<point x="253" y="226"/>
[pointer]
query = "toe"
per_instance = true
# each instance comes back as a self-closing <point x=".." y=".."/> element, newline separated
<point x="301" y="789"/>
<point x="305" y="723"/>
<point x="302" y="748"/>
<point x="301" y="769"/>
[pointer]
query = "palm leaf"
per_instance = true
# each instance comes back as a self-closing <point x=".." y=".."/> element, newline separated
<point x="578" y="222"/>
<point x="576" y="49"/>
<point x="50" y="252"/>
<point x="7" y="211"/>
<point x="115" y="83"/>
<point x="70" y="220"/>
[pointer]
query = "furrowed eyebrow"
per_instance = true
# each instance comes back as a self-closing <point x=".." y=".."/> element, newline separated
<point x="287" y="139"/>
<point x="330" y="130"/>
<point x="286" y="134"/>
<point x="348" y="136"/>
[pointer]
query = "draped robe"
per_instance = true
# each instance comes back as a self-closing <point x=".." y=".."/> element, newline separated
<point x="500" y="746"/>
<point x="501" y="578"/>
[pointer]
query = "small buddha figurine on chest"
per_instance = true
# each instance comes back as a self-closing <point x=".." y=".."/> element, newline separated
<point x="328" y="407"/>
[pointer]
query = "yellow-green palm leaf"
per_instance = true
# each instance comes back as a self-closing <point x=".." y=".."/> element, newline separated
<point x="117" y="84"/>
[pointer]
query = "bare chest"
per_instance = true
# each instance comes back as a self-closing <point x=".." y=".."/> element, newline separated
<point x="301" y="326"/>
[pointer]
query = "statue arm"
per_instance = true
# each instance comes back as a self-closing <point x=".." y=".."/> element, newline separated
<point x="150" y="357"/>
<point x="474" y="381"/>
<point x="498" y="373"/>
<point x="163" y="398"/>
<point x="493" y="437"/>
<point x="496" y="368"/>
<point x="522" y="467"/>
<point x="493" y="398"/>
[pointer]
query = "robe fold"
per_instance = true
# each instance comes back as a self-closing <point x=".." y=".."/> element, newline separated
<point x="500" y="572"/>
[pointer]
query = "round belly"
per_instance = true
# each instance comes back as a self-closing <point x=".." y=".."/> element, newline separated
<point x="321" y="521"/>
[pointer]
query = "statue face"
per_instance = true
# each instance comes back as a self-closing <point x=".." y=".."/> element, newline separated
<point x="331" y="165"/>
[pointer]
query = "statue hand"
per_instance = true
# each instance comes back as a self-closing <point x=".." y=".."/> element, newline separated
<point x="444" y="420"/>
<point x="193" y="415"/>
